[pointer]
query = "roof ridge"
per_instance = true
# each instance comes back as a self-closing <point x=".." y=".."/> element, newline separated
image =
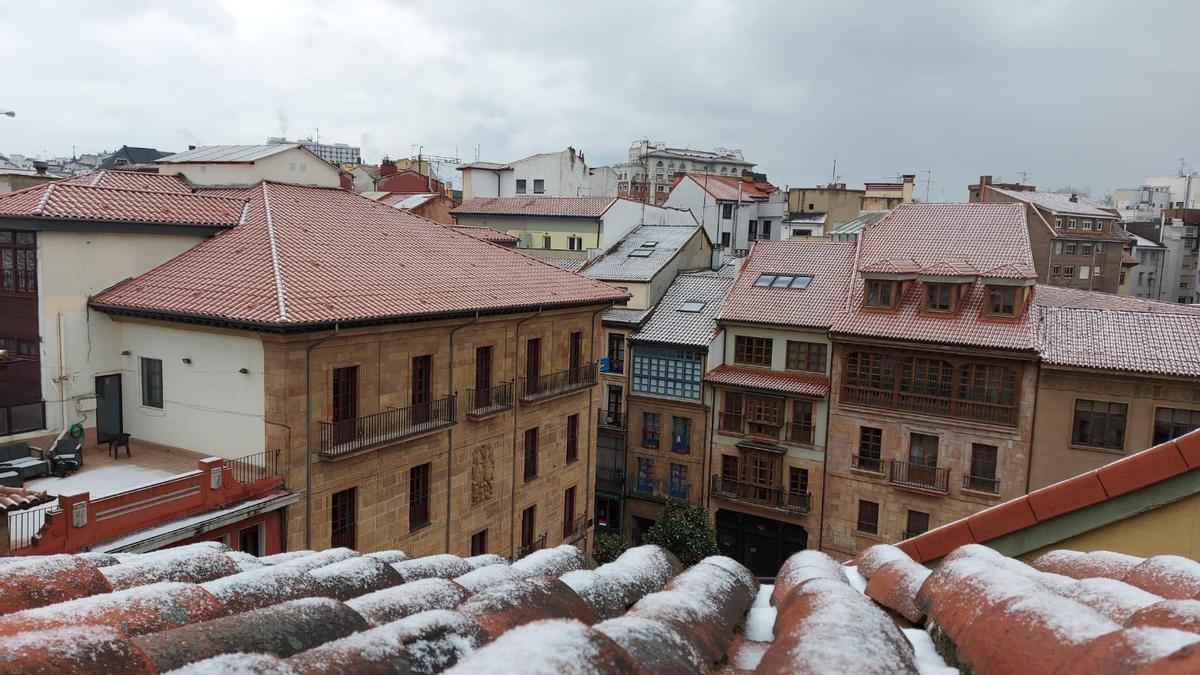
<point x="280" y="291"/>
<point x="114" y="188"/>
<point x="96" y="179"/>
<point x="41" y="205"/>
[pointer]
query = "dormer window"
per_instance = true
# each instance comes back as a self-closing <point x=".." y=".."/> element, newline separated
<point x="881" y="293"/>
<point x="939" y="297"/>
<point x="1002" y="300"/>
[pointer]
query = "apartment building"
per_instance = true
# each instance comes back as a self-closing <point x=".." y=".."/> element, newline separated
<point x="1177" y="231"/>
<point x="669" y="404"/>
<point x="735" y="211"/>
<point x="1100" y="397"/>
<point x="243" y="165"/>
<point x="650" y="172"/>
<point x="934" y="374"/>
<point x="771" y="397"/>
<point x="1144" y="269"/>
<point x="565" y="227"/>
<point x="426" y="390"/>
<point x="887" y="196"/>
<point x="644" y="264"/>
<point x="1077" y="242"/>
<point x="548" y="174"/>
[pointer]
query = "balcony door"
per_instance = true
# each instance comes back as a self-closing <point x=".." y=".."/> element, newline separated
<point x="483" y="377"/>
<point x="922" y="459"/>
<point x="108" y="407"/>
<point x="422" y="389"/>
<point x="533" y="365"/>
<point x="576" y="373"/>
<point x="614" y="402"/>
<point x="345" y="404"/>
<point x="761" y="474"/>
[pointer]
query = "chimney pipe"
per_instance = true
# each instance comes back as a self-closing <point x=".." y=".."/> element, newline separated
<point x="1074" y="197"/>
<point x="40" y="167"/>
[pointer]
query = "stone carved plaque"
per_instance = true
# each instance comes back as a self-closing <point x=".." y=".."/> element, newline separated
<point x="483" y="469"/>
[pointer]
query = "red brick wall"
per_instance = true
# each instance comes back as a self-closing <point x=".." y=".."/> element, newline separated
<point x="408" y="181"/>
<point x="273" y="541"/>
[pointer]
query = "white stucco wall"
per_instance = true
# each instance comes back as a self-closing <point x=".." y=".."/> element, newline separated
<point x="624" y="215"/>
<point x="208" y="406"/>
<point x="297" y="166"/>
<point x="73" y="266"/>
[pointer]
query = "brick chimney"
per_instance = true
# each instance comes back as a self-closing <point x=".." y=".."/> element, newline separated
<point x="906" y="187"/>
<point x="386" y="167"/>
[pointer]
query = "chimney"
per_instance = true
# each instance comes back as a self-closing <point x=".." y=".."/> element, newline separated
<point x="386" y="167"/>
<point x="908" y="178"/>
<point x="191" y="147"/>
<point x="40" y="167"/>
<point x="1074" y="197"/>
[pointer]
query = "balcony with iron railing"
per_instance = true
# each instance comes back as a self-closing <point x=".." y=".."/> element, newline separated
<point x="563" y="382"/>
<point x="614" y="420"/>
<point x="491" y="401"/>
<point x="610" y="474"/>
<point x="346" y="437"/>
<point x="575" y="529"/>
<point x="981" y="484"/>
<point x="797" y="432"/>
<point x="868" y="464"/>
<point x="919" y="476"/>
<point x="537" y="544"/>
<point x="770" y="496"/>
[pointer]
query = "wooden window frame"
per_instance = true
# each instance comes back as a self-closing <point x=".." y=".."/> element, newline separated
<point x="572" y="438"/>
<point x="343" y="519"/>
<point x="479" y="542"/>
<point x="881" y="293"/>
<point x="529" y="468"/>
<point x="996" y="301"/>
<point x="752" y="351"/>
<point x="939" y="304"/>
<point x="806" y="356"/>
<point x="419" y="513"/>
<point x="1098" y="418"/>
<point x="868" y="517"/>
<point x="18" y="263"/>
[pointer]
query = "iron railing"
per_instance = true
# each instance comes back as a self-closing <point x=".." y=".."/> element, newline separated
<point x="575" y="529"/>
<point x="981" y="484"/>
<point x="348" y="436"/>
<point x="611" y="419"/>
<point x="610" y="474"/>
<point x="253" y="468"/>
<point x="647" y="488"/>
<point x="24" y="525"/>
<point x="489" y="401"/>
<point x="919" y="476"/>
<point x="537" y="544"/>
<point x="872" y="464"/>
<point x="770" y="496"/>
<point x="731" y="421"/>
<point x="545" y="386"/>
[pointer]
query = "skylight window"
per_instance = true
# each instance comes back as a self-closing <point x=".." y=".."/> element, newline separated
<point x="691" y="306"/>
<point x="649" y="244"/>
<point x="783" y="280"/>
<point x="640" y="253"/>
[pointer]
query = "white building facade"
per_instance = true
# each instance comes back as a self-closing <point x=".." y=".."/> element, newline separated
<point x="550" y="174"/>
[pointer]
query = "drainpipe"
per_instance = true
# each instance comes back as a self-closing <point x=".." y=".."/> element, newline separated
<point x="587" y="474"/>
<point x="308" y="460"/>
<point x="512" y="511"/>
<point x="1032" y="427"/>
<point x="450" y="430"/>
<point x="825" y="454"/>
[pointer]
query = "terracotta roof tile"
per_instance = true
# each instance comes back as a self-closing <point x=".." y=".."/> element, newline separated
<point x="551" y="647"/>
<point x="74" y="650"/>
<point x="771" y="380"/>
<point x="427" y="642"/>
<point x="893" y="580"/>
<point x="1011" y="271"/>
<point x="1171" y="576"/>
<point x="730" y="188"/>
<point x="15" y="499"/>
<point x="1180" y="614"/>
<point x="1128" y="650"/>
<point x="515" y="602"/>
<point x="135" y="611"/>
<point x="561" y="207"/>
<point x="71" y="201"/>
<point x="30" y="582"/>
<point x="489" y="234"/>
<point x="612" y="588"/>
<point x="132" y="180"/>
<point x="395" y="603"/>
<point x="1077" y="565"/>
<point x="950" y="268"/>
<point x="891" y="266"/>
<point x="309" y="255"/>
<point x="829" y="264"/>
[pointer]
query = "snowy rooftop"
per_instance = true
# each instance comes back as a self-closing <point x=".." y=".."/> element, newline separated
<point x="205" y="609"/>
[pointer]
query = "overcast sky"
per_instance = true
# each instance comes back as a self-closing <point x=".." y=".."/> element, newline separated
<point x="1084" y="92"/>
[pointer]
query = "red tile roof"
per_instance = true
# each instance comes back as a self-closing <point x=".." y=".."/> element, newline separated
<point x="1011" y="271"/>
<point x="133" y="180"/>
<point x="486" y="234"/>
<point x="892" y="266"/>
<point x="943" y="239"/>
<point x="771" y="380"/>
<point x="15" y="499"/>
<point x="557" y="207"/>
<point x="950" y="268"/>
<point x="314" y="256"/>
<point x="75" y="201"/>
<point x="547" y="613"/>
<point x="830" y="264"/>
<point x="726" y="188"/>
<point x="1125" y="475"/>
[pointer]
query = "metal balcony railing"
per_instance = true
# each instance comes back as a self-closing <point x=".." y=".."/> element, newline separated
<point x="545" y="386"/>
<point x="253" y="468"/>
<point x="872" y="464"/>
<point x="770" y="496"/>
<point x="575" y="529"/>
<point x="610" y="474"/>
<point x="24" y="525"/>
<point x="919" y="476"/>
<point x="537" y="544"/>
<point x="486" y="402"/>
<point x="349" y="436"/>
<point x="981" y="484"/>
<point x="611" y="419"/>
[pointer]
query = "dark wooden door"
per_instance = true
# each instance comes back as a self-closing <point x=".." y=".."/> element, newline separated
<point x="922" y="458"/>
<point x="576" y="367"/>
<point x="483" y="377"/>
<point x="345" y="404"/>
<point x="533" y="365"/>
<point x="422" y="389"/>
<point x="109" y="416"/>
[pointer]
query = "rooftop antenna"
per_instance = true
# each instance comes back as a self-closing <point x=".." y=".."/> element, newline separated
<point x="1024" y="175"/>
<point x="834" y="174"/>
<point x="928" y="181"/>
<point x="1182" y="167"/>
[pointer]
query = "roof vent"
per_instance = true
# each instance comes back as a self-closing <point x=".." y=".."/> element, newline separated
<point x="1074" y="197"/>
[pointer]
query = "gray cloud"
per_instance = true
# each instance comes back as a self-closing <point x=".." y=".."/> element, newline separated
<point x="1083" y="92"/>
